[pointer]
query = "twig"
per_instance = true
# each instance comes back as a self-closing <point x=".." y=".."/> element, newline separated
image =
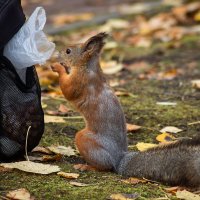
<point x="74" y="117"/>
<point x="27" y="143"/>
<point x="193" y="123"/>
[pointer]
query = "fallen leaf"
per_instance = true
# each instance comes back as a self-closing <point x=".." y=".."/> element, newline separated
<point x="124" y="196"/>
<point x="32" y="167"/>
<point x="196" y="84"/>
<point x="46" y="158"/>
<point x="78" y="184"/>
<point x="197" y="17"/>
<point x="134" y="181"/>
<point x="111" y="67"/>
<point x="186" y="195"/>
<point x="110" y="45"/>
<point x="165" y="137"/>
<point x="61" y="19"/>
<point x="53" y="119"/>
<point x="2" y="169"/>
<point x="63" y="109"/>
<point x="52" y="112"/>
<point x="139" y="41"/>
<point x="168" y="75"/>
<point x="68" y="175"/>
<point x="41" y="150"/>
<point x="132" y="127"/>
<point x="170" y="129"/>
<point x="166" y="103"/>
<point x="19" y="194"/>
<point x="141" y="146"/>
<point x="44" y="105"/>
<point x="172" y="190"/>
<point x="66" y="151"/>
<point x="114" y="24"/>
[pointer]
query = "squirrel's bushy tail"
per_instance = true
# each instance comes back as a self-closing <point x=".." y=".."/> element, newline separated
<point x="174" y="164"/>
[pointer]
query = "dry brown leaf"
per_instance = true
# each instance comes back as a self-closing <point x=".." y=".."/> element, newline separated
<point x="19" y="194"/>
<point x="78" y="184"/>
<point x="134" y="181"/>
<point x="68" y="175"/>
<point x="32" y="167"/>
<point x="165" y="137"/>
<point x="173" y="190"/>
<point x="2" y="169"/>
<point x="141" y="146"/>
<point x="168" y="75"/>
<point x="186" y="195"/>
<point x="124" y="196"/>
<point x="66" y="151"/>
<point x="132" y="127"/>
<point x="170" y="129"/>
<point x="41" y="150"/>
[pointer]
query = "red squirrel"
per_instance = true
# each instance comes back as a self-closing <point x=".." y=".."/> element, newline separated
<point x="103" y="142"/>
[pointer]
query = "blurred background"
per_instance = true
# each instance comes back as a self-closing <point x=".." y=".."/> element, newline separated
<point x="142" y="34"/>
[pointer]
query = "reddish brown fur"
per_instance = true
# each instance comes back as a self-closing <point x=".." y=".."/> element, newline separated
<point x="75" y="89"/>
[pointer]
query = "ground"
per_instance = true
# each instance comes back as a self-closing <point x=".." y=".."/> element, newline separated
<point x="140" y="108"/>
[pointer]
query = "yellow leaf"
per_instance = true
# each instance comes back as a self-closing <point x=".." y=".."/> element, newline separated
<point x="68" y="175"/>
<point x="141" y="146"/>
<point x="44" y="105"/>
<point x="165" y="137"/>
<point x="197" y="17"/>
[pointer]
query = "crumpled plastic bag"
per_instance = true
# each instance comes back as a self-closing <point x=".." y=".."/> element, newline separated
<point x="30" y="45"/>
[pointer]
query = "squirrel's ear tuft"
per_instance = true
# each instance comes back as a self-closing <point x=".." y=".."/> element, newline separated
<point x="95" y="43"/>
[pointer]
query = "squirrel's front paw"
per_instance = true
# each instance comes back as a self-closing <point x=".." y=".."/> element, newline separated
<point x="84" y="167"/>
<point x="56" y="67"/>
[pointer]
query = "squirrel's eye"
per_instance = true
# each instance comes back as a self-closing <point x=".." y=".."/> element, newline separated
<point x="68" y="51"/>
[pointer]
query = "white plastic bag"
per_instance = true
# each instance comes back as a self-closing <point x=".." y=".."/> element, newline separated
<point x="30" y="45"/>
